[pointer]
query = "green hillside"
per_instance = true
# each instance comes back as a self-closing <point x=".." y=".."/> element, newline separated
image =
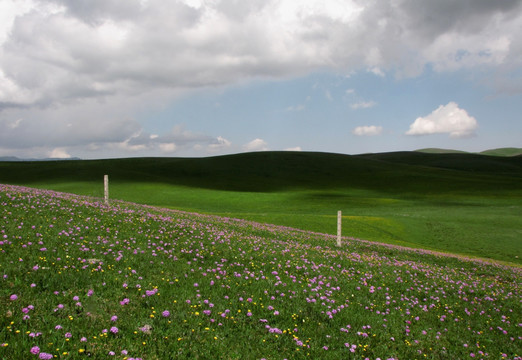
<point x="461" y="203"/>
<point x="503" y="152"/>
<point x="276" y="171"/>
<point x="441" y="151"/>
<point x="509" y="151"/>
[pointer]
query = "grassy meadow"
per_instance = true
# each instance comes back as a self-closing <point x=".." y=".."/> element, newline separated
<point x="80" y="279"/>
<point x="467" y="204"/>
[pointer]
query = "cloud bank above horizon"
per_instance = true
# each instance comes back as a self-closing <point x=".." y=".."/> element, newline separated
<point x="74" y="77"/>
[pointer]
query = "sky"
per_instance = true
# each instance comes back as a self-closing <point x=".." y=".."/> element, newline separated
<point x="195" y="78"/>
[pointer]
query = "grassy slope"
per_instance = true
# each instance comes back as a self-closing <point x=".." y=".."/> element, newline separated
<point x="462" y="203"/>
<point x="440" y="151"/>
<point x="81" y="280"/>
<point x="503" y="152"/>
<point x="491" y="152"/>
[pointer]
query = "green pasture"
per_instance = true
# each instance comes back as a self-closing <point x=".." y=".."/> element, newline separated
<point x="460" y="203"/>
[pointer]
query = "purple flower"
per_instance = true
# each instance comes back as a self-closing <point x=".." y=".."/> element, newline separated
<point x="68" y="335"/>
<point x="45" y="356"/>
<point x="166" y="313"/>
<point x="114" y="330"/>
<point x="13" y="297"/>
<point x="35" y="350"/>
<point x="114" y="318"/>
<point x="150" y="292"/>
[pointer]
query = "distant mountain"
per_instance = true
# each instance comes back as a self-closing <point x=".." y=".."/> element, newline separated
<point x="9" y="158"/>
<point x="14" y="158"/>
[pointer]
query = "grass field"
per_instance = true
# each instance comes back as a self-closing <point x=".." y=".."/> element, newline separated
<point x="83" y="280"/>
<point x="460" y="203"/>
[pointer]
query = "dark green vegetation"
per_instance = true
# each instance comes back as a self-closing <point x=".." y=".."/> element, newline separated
<point x="462" y="203"/>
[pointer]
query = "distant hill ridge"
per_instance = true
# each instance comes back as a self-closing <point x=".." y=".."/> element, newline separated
<point x="509" y="151"/>
<point x="280" y="170"/>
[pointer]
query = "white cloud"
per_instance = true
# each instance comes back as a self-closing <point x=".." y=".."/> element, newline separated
<point x="297" y="148"/>
<point x="363" y="105"/>
<point x="77" y="74"/>
<point x="72" y="51"/>
<point x="220" y="144"/>
<point x="167" y="147"/>
<point x="256" y="145"/>
<point x="296" y="108"/>
<point x="58" y="153"/>
<point x="9" y="10"/>
<point x="14" y="124"/>
<point x="446" y="119"/>
<point x="371" y="130"/>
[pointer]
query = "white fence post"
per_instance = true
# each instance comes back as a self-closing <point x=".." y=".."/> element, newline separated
<point x="339" y="216"/>
<point x="106" y="188"/>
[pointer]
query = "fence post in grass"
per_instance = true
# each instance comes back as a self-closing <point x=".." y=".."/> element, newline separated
<point x="339" y="216"/>
<point x="106" y="188"/>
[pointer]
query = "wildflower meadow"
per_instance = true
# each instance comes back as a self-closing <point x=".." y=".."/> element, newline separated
<point x="81" y="279"/>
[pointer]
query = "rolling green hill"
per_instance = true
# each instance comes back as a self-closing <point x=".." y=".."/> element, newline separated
<point x="276" y="171"/>
<point x="503" y="152"/>
<point x="441" y="151"/>
<point x="462" y="203"/>
<point x="509" y="151"/>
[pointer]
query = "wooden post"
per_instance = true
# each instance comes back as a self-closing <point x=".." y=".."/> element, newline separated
<point x="339" y="216"/>
<point x="106" y="188"/>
